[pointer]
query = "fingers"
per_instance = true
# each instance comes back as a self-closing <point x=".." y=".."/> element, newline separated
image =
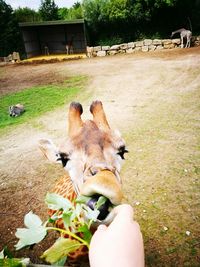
<point x="123" y="219"/>
<point x="124" y="209"/>
<point x="101" y="228"/>
<point x="123" y="214"/>
<point x="98" y="234"/>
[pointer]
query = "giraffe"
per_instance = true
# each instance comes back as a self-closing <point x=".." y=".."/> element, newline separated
<point x="46" y="49"/>
<point x="184" y="34"/>
<point x="92" y="156"/>
<point x="69" y="46"/>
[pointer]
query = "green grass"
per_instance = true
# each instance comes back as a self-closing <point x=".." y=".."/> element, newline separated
<point x="39" y="100"/>
<point x="162" y="173"/>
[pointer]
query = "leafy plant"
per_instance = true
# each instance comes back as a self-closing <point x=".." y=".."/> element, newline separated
<point x="77" y="218"/>
<point x="6" y="259"/>
<point x="113" y="40"/>
<point x="48" y="10"/>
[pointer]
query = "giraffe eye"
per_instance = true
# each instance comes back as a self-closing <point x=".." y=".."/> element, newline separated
<point x="121" y="151"/>
<point x="64" y="158"/>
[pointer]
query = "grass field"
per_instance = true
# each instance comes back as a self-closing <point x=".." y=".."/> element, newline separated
<point x="163" y="171"/>
<point x="39" y="99"/>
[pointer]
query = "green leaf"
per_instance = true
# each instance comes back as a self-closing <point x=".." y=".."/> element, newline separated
<point x="29" y="236"/>
<point x="6" y="253"/>
<point x="14" y="262"/>
<point x="66" y="216"/>
<point x="62" y="247"/>
<point x="82" y="199"/>
<point x="102" y="200"/>
<point x="56" y="202"/>
<point x="77" y="211"/>
<point x="61" y="262"/>
<point x="87" y="235"/>
<point x="91" y="214"/>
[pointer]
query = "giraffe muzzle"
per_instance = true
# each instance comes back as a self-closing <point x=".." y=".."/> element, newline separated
<point x="104" y="183"/>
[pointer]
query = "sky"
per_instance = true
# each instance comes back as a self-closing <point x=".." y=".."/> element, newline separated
<point x="34" y="4"/>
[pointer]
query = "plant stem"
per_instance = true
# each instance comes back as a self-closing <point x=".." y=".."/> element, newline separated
<point x="70" y="234"/>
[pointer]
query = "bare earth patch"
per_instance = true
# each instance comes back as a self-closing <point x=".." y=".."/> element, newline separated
<point x="153" y="99"/>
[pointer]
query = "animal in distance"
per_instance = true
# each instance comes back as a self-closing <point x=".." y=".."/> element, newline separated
<point x="16" y="110"/>
<point x="184" y="34"/>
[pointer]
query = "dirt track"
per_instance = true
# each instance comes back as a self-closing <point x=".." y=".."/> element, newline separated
<point x="130" y="86"/>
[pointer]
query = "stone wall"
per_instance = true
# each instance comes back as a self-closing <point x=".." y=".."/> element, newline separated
<point x="131" y="47"/>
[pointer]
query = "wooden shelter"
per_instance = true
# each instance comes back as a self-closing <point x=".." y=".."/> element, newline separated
<point x="53" y="37"/>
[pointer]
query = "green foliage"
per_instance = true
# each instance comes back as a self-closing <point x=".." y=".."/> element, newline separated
<point x="101" y="201"/>
<point x="26" y="15"/>
<point x="78" y="222"/>
<point x="132" y="19"/>
<point x="75" y="12"/>
<point x="63" y="13"/>
<point x="94" y="11"/>
<point x="6" y="262"/>
<point x="125" y="20"/>
<point x="111" y="41"/>
<point x="117" y="10"/>
<point x="48" y="10"/>
<point x="9" y="31"/>
<point x="56" y="202"/>
<point x="34" y="233"/>
<point x="60" y="249"/>
<point x="38" y="100"/>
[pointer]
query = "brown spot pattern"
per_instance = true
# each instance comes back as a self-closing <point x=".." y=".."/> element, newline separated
<point x="64" y="188"/>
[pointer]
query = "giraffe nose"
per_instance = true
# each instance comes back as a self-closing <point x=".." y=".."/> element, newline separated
<point x="103" y="183"/>
<point x="98" y="167"/>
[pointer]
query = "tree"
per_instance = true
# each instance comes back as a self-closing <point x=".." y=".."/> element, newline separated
<point x="63" y="13"/>
<point x="48" y="10"/>
<point x="26" y="14"/>
<point x="117" y="10"/>
<point x="75" y="12"/>
<point x="9" y="31"/>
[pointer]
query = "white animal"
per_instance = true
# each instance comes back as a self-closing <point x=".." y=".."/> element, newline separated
<point x="16" y="110"/>
<point x="184" y="34"/>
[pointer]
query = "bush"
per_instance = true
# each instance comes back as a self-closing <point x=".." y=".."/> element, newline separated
<point x="111" y="41"/>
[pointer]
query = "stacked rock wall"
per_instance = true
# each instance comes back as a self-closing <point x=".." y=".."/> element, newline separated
<point x="131" y="47"/>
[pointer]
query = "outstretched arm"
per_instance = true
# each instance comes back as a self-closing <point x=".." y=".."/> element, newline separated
<point x="119" y="244"/>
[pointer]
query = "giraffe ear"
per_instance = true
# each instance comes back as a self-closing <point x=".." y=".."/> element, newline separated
<point x="49" y="150"/>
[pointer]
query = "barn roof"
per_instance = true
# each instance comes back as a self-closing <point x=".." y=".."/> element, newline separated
<point x="53" y="22"/>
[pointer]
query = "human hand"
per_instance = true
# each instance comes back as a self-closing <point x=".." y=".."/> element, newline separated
<point x="120" y="244"/>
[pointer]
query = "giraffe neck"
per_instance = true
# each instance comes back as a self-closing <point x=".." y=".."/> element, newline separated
<point x="178" y="31"/>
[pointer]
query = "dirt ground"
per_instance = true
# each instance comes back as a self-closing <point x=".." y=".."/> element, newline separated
<point x="131" y="88"/>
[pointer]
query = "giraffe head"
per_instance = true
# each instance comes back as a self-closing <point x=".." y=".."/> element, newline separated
<point x="92" y="154"/>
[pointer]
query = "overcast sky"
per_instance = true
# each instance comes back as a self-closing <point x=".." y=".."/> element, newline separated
<point x="34" y="4"/>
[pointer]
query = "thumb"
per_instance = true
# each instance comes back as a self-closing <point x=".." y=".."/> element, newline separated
<point x="100" y="230"/>
<point x="101" y="227"/>
<point x="123" y="214"/>
<point x="98" y="233"/>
